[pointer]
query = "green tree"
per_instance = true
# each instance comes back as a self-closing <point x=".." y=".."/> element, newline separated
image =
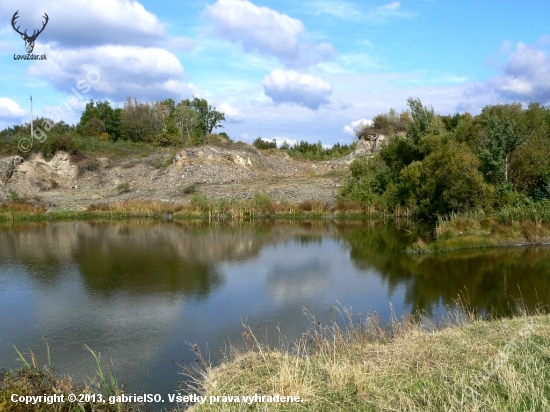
<point x="424" y="120"/>
<point x="188" y="122"/>
<point x="504" y="131"/>
<point x="100" y="117"/>
<point x="209" y="117"/>
<point x="140" y="121"/>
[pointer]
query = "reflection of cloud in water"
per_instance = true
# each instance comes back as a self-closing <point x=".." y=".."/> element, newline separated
<point x="129" y="330"/>
<point x="301" y="277"/>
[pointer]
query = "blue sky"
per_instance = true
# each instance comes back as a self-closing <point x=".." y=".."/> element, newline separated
<point x="308" y="70"/>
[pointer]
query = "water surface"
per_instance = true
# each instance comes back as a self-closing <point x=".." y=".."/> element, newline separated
<point x="140" y="293"/>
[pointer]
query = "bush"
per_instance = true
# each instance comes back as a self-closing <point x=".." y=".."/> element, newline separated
<point x="264" y="145"/>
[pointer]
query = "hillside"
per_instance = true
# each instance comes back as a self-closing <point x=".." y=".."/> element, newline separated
<point x="233" y="171"/>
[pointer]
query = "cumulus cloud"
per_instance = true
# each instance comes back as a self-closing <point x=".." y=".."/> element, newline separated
<point x="266" y="31"/>
<point x="232" y="114"/>
<point x="356" y="125"/>
<point x="281" y="140"/>
<point x="81" y="23"/>
<point x="146" y="73"/>
<point x="525" y="78"/>
<point x="288" y="86"/>
<point x="10" y="110"/>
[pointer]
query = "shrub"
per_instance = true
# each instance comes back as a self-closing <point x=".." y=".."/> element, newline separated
<point x="264" y="145"/>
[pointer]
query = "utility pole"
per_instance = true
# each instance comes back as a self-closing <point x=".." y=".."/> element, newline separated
<point x="32" y="128"/>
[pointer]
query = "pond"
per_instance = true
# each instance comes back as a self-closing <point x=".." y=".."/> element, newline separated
<point x="140" y="293"/>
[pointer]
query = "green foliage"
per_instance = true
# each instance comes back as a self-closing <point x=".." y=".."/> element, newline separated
<point x="369" y="179"/>
<point x="98" y="118"/>
<point x="446" y="164"/>
<point x="316" y="151"/>
<point x="262" y="144"/>
<point x="503" y="132"/>
<point x="391" y="122"/>
<point x="124" y="188"/>
<point x="450" y="181"/>
<point x="424" y="120"/>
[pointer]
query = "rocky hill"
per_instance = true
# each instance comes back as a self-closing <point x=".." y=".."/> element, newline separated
<point x="235" y="171"/>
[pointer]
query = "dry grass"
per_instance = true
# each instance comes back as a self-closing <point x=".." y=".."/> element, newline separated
<point x="358" y="364"/>
<point x="142" y="208"/>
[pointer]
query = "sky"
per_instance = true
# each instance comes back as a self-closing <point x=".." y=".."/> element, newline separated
<point x="310" y="70"/>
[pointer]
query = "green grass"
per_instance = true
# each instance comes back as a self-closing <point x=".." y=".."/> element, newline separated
<point x="33" y="379"/>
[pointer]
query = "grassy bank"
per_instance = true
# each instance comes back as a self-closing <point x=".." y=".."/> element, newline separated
<point x="34" y="380"/>
<point x="473" y="365"/>
<point x="199" y="207"/>
<point x="353" y="364"/>
<point x="509" y="226"/>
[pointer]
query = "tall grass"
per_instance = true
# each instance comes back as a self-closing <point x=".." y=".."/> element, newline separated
<point x="35" y="380"/>
<point x="533" y="211"/>
<point x="357" y="363"/>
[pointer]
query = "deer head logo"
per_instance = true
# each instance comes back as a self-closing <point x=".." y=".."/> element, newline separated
<point x="29" y="40"/>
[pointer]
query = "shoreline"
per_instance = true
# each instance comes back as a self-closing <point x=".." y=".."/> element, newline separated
<point x="415" y="363"/>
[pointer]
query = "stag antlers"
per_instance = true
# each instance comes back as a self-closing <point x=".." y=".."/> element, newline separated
<point x="29" y="40"/>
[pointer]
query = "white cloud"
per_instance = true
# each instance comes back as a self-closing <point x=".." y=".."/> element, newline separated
<point x="80" y="23"/>
<point x="180" y="43"/>
<point x="353" y="11"/>
<point x="525" y="78"/>
<point x="144" y="73"/>
<point x="10" y="110"/>
<point x="391" y="6"/>
<point x="292" y="87"/>
<point x="281" y="140"/>
<point x="232" y="114"/>
<point x="266" y="31"/>
<point x="341" y="9"/>
<point x="356" y="125"/>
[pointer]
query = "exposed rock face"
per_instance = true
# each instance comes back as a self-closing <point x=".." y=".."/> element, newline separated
<point x="37" y="172"/>
<point x="7" y="166"/>
<point x="365" y="147"/>
<point x="233" y="171"/>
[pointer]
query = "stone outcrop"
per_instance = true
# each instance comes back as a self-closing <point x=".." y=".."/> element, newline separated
<point x="7" y="166"/>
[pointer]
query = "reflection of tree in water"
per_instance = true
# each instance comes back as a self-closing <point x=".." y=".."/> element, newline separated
<point x="492" y="280"/>
<point x="126" y="268"/>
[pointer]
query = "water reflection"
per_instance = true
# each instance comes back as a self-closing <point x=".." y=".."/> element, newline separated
<point x="492" y="280"/>
<point x="138" y="292"/>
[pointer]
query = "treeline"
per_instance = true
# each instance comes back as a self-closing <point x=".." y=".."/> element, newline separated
<point x="443" y="164"/>
<point x="163" y="123"/>
<point x="305" y="150"/>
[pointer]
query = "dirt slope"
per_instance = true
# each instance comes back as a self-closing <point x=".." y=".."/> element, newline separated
<point x="236" y="172"/>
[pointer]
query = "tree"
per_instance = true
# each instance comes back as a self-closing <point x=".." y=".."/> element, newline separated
<point x="503" y="133"/>
<point x="187" y="121"/>
<point x="103" y="119"/>
<point x="210" y="118"/>
<point x="424" y="120"/>
<point x="140" y="121"/>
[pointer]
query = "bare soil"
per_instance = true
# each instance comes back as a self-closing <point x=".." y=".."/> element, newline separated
<point x="236" y="171"/>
